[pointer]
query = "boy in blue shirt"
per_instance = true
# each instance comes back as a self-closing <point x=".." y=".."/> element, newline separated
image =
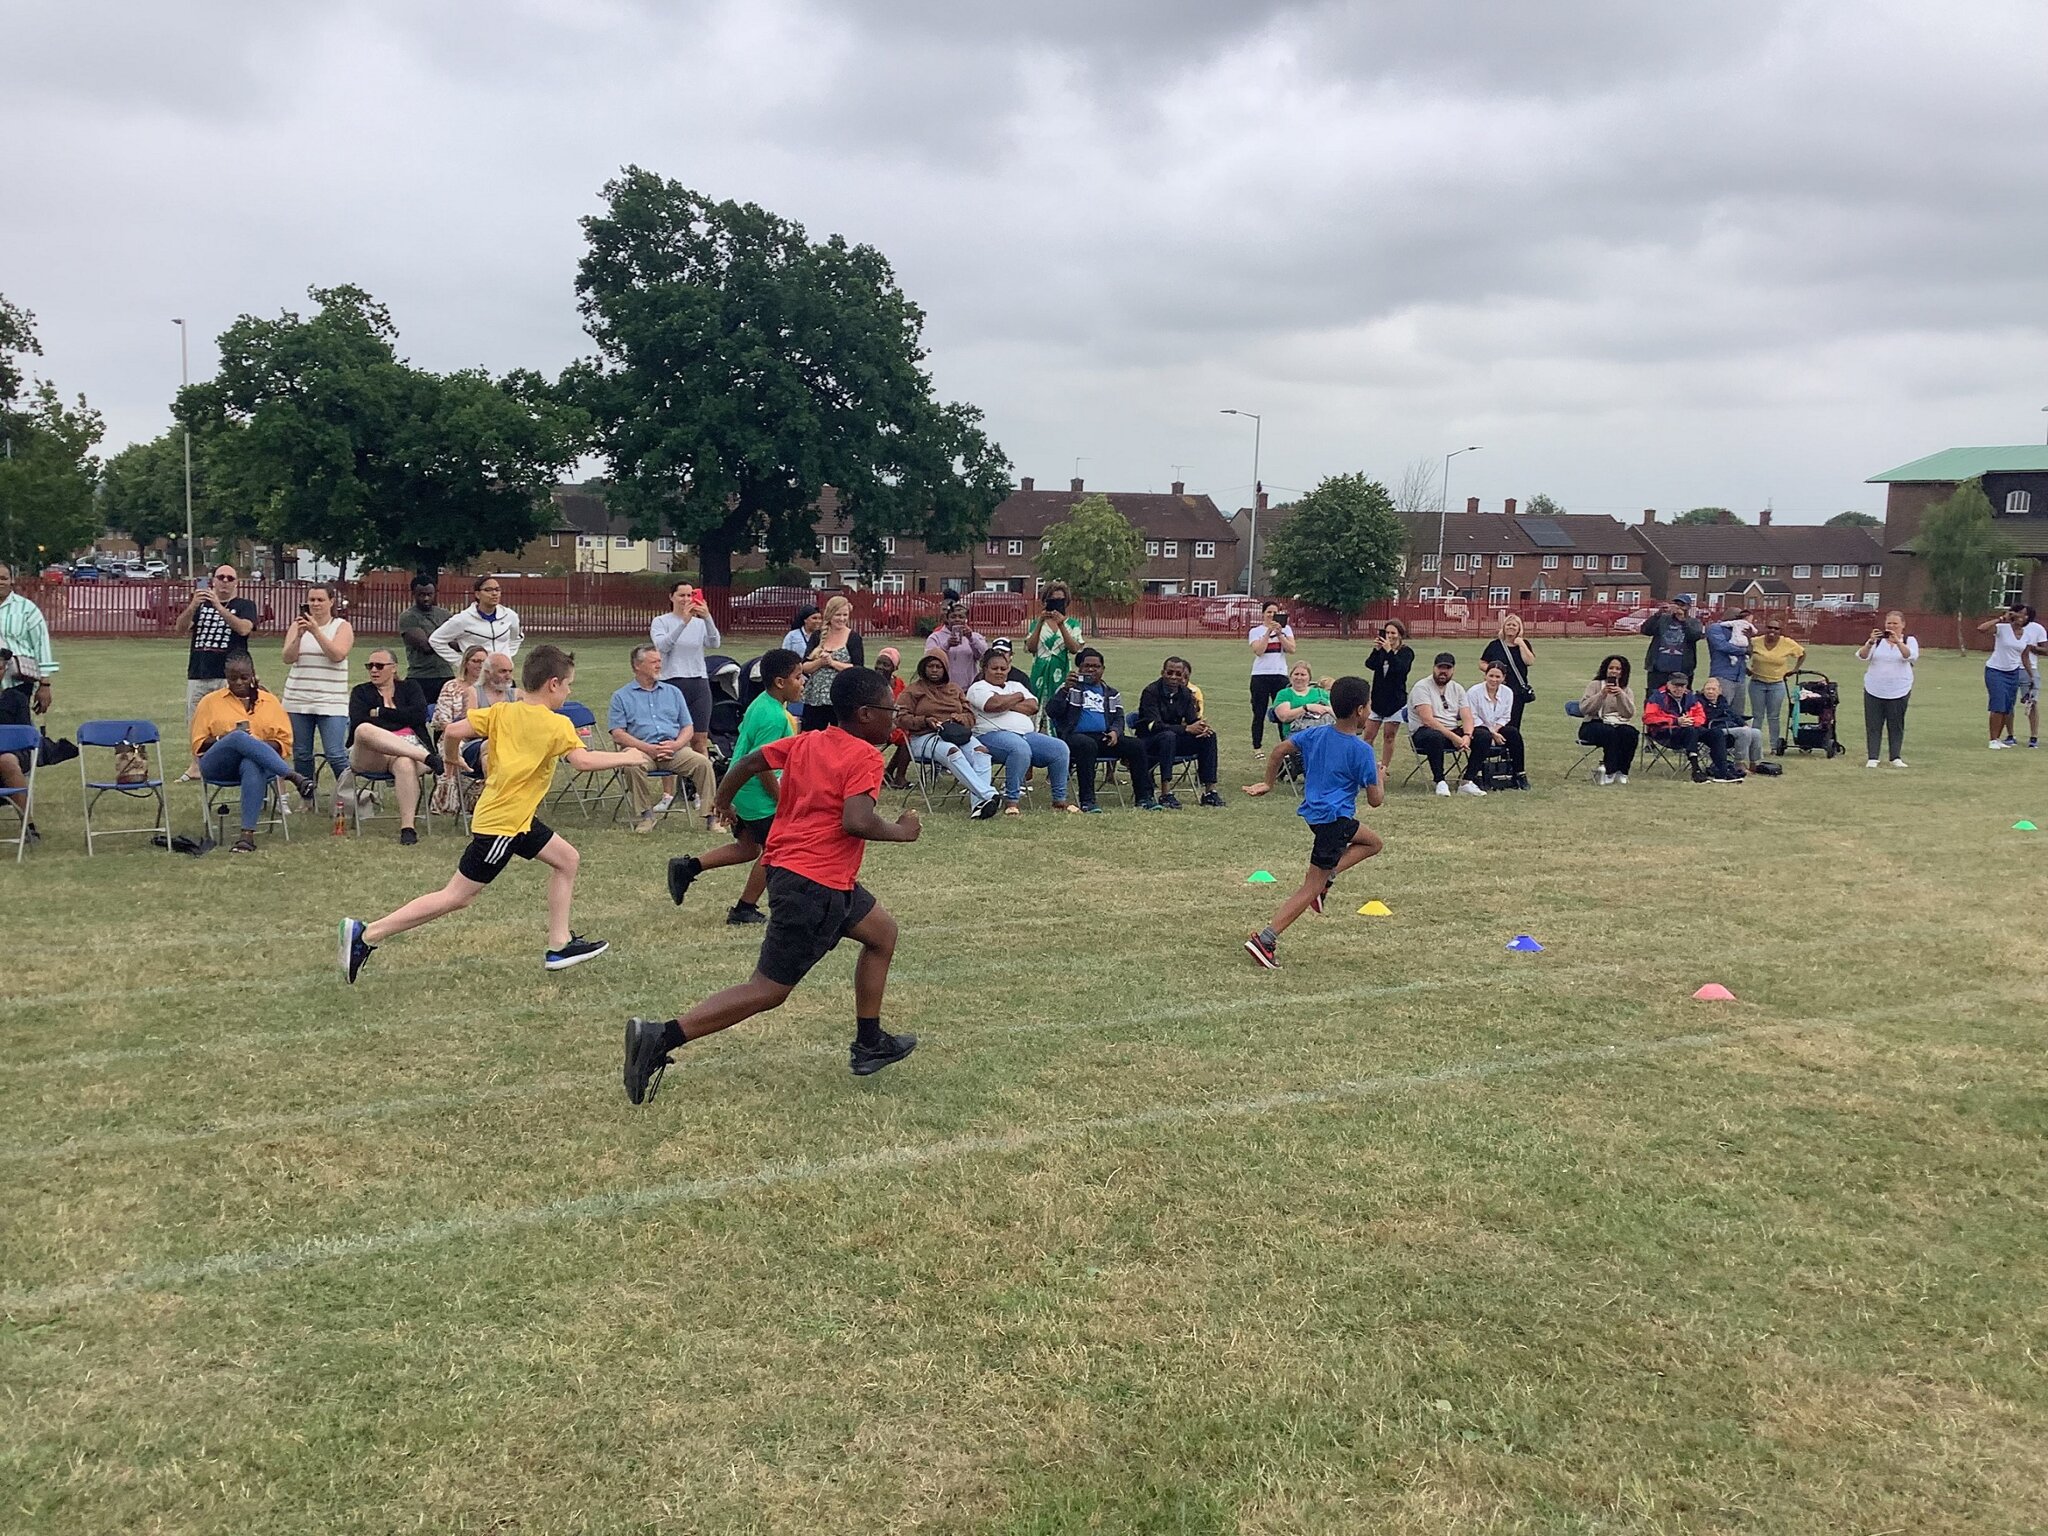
<point x="1338" y="764"/>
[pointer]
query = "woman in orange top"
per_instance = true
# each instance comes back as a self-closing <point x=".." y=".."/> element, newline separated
<point x="241" y="736"/>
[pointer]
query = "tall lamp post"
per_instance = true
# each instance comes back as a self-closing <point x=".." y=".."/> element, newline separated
<point x="1443" y="511"/>
<point x="1251" y="578"/>
<point x="185" y="382"/>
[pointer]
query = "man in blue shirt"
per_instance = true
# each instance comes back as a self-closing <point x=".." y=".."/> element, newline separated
<point x="653" y="717"/>
<point x="1338" y="766"/>
<point x="1088" y="715"/>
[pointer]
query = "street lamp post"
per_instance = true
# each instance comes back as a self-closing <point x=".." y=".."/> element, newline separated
<point x="1251" y="578"/>
<point x="1443" y="511"/>
<point x="185" y="381"/>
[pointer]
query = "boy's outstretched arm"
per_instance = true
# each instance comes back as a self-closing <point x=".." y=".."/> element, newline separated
<point x="1274" y="760"/>
<point x="583" y="760"/>
<point x="859" y="818"/>
<point x="457" y="731"/>
<point x="752" y="766"/>
<point x="1376" y="791"/>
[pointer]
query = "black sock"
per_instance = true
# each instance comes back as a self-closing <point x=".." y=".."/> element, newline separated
<point x="867" y="1031"/>
<point x="672" y="1035"/>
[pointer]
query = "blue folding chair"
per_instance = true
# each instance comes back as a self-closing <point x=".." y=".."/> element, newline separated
<point x="1572" y="710"/>
<point x="26" y="743"/>
<point x="589" y="788"/>
<point x="115" y="735"/>
<point x="359" y="812"/>
<point x="221" y="800"/>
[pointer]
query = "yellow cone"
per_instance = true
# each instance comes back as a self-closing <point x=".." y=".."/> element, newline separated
<point x="1375" y="909"/>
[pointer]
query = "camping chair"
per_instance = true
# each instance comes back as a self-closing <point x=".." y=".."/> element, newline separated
<point x="360" y="811"/>
<point x="1572" y="710"/>
<point x="1651" y="753"/>
<point x="26" y="743"/>
<point x="589" y="788"/>
<point x="113" y="735"/>
<point x="1454" y="764"/>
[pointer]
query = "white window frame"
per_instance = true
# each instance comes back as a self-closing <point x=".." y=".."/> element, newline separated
<point x="554" y="541"/>
<point x="665" y="546"/>
<point x="841" y="544"/>
<point x="1429" y="562"/>
<point x="1457" y="562"/>
<point x="1629" y="597"/>
<point x="1830" y="572"/>
<point x="1016" y="546"/>
<point x="892" y="583"/>
<point x="1851" y="571"/>
<point x="1616" y="562"/>
<point x="2008" y="584"/>
<point x="1499" y="597"/>
<point x="1873" y="570"/>
<point x="819" y="581"/>
<point x="1870" y="599"/>
<point x="1504" y="562"/>
<point x="1717" y="573"/>
<point x="584" y="541"/>
<point x="1429" y="594"/>
<point x="620" y="541"/>
<point x="1802" y="573"/>
<point x="1578" y="562"/>
<point x="1151" y="549"/>
<point x="1170" y="550"/>
<point x="1202" y="589"/>
<point x="2018" y="503"/>
<point x="1600" y="595"/>
<point x="1550" y="562"/>
<point x="1803" y="600"/>
<point x="1767" y="570"/>
<point x="1688" y="573"/>
<point x="1205" y="549"/>
<point x="888" y="543"/>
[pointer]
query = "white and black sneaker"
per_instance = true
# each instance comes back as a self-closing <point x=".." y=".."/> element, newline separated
<point x="988" y="810"/>
<point x="353" y="950"/>
<point x="575" y="952"/>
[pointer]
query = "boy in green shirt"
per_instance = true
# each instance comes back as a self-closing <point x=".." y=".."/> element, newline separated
<point x="1301" y="702"/>
<point x="767" y="719"/>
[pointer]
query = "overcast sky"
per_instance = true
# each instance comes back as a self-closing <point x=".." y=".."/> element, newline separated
<point x="1645" y="254"/>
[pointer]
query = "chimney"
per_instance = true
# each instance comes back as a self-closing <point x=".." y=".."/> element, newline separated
<point x="1027" y="484"/>
<point x="1260" y="498"/>
<point x="1511" y="506"/>
<point x="1472" y="506"/>
<point x="1180" y="488"/>
<point x="1763" y="518"/>
<point x="1649" y="516"/>
<point x="1074" y="485"/>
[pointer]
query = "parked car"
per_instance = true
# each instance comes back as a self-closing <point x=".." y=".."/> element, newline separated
<point x="994" y="608"/>
<point x="155" y="570"/>
<point x="1632" y="623"/>
<point x="1234" y="610"/>
<point x="85" y="571"/>
<point x="772" y="607"/>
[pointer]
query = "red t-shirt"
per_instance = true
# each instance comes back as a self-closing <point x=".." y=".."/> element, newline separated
<point x="821" y="771"/>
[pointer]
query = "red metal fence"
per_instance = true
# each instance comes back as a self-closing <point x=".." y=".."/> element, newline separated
<point x="602" y="605"/>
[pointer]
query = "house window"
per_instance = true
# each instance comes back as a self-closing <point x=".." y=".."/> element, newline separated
<point x="621" y="542"/>
<point x="2018" y="503"/>
<point x="1616" y="562"/>
<point x="1717" y="572"/>
<point x="1830" y="572"/>
<point x="666" y="546"/>
<point x="1205" y="550"/>
<point x="1203" y="588"/>
<point x="841" y="544"/>
<point x="1429" y="562"/>
<point x="1504" y="562"/>
<point x="584" y="541"/>
<point x="1875" y="570"/>
<point x="993" y="546"/>
<point x="892" y="583"/>
<point x="1429" y="594"/>
<point x="818" y="580"/>
<point x="1870" y="599"/>
<point x="554" y="541"/>
<point x="1688" y="573"/>
<point x="1767" y="570"/>
<point x="1628" y="597"/>
<point x="2009" y="585"/>
<point x="1498" y="597"/>
<point x="1802" y="573"/>
<point x="1575" y="597"/>
<point x="1151" y="549"/>
<point x="1457" y="562"/>
<point x="1600" y="595"/>
<point x="1852" y="570"/>
<point x="1550" y="562"/>
<point x="1170" y="549"/>
<point x="889" y="544"/>
<point x="1016" y="546"/>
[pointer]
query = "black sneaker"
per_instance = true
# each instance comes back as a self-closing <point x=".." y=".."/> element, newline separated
<point x="645" y="1059"/>
<point x="744" y="913"/>
<point x="1211" y="798"/>
<point x="989" y="809"/>
<point x="1168" y="803"/>
<point x="866" y="1060"/>
<point x="680" y="873"/>
<point x="435" y="766"/>
<point x="1725" y="778"/>
<point x="353" y="950"/>
<point x="408" y="837"/>
<point x="1266" y="954"/>
<point x="1521" y="781"/>
<point x="575" y="952"/>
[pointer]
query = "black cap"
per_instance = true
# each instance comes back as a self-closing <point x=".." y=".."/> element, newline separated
<point x="1444" y="659"/>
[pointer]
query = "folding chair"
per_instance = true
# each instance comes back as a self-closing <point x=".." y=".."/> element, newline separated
<point x="26" y="743"/>
<point x="1571" y="708"/>
<point x="592" y="787"/>
<point x="1651" y="753"/>
<point x="222" y="800"/>
<point x="361" y="778"/>
<point x="1454" y="763"/>
<point x="111" y="734"/>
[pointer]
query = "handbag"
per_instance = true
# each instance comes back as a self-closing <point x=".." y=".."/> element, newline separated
<point x="953" y="733"/>
<point x="131" y="763"/>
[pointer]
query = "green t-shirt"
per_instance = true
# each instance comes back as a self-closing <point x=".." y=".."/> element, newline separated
<point x="765" y="721"/>
<point x="1295" y="700"/>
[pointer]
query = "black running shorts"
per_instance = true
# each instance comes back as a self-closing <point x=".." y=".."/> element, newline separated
<point x="1332" y="838"/>
<point x="488" y="854"/>
<point x="806" y="921"/>
<point x="754" y="831"/>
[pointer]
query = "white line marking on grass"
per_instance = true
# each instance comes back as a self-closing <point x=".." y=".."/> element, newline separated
<point x="259" y="1126"/>
<point x="626" y="1202"/>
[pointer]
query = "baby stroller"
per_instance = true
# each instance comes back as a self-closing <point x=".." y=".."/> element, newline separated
<point x="1811" y="699"/>
<point x="724" y="727"/>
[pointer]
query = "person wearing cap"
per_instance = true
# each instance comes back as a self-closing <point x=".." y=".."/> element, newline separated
<point x="1674" y="636"/>
<point x="1439" y="719"/>
<point x="1676" y="717"/>
<point x="423" y="664"/>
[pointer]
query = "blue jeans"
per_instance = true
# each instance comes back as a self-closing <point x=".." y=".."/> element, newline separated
<point x="964" y="763"/>
<point x="1020" y="754"/>
<point x="240" y="756"/>
<point x="333" y="731"/>
<point x="1767" y="710"/>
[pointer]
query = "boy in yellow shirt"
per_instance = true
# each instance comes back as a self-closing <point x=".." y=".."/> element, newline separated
<point x="527" y="738"/>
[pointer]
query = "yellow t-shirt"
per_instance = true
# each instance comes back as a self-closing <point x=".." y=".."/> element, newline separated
<point x="1770" y="666"/>
<point x="526" y="739"/>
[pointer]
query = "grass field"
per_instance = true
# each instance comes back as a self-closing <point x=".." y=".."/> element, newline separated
<point x="1414" y="1235"/>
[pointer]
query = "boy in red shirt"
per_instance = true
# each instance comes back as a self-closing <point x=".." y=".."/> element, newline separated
<point x="825" y="814"/>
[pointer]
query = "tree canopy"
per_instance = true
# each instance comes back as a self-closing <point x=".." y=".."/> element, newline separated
<point x="1962" y="547"/>
<point x="1854" y="520"/>
<point x="1095" y="551"/>
<point x="142" y="491"/>
<point x="47" y="466"/>
<point x="1705" y="515"/>
<point x="321" y="435"/>
<point x="1541" y="505"/>
<point x="741" y="369"/>
<point x="1342" y="547"/>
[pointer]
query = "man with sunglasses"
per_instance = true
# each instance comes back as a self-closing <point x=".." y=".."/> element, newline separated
<point x="220" y="621"/>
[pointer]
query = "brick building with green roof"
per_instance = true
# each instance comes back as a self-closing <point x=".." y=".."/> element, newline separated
<point x="2016" y="483"/>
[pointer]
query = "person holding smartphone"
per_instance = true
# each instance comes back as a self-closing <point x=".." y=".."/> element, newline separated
<point x="1053" y="640"/>
<point x="683" y="635"/>
<point x="220" y="621"/>
<point x="1272" y="643"/>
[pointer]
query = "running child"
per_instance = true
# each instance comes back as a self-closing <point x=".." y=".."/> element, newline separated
<point x="825" y="815"/>
<point x="767" y="719"/>
<point x="1338" y="765"/>
<point x="527" y="738"/>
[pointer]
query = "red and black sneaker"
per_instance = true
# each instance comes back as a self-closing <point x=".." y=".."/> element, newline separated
<point x="1267" y="954"/>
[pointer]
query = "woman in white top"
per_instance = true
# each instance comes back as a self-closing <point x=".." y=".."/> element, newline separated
<point x="1887" y="683"/>
<point x="315" y="693"/>
<point x="1005" y="720"/>
<point x="682" y="635"/>
<point x="1272" y="642"/>
<point x="1493" y="729"/>
<point x="485" y="622"/>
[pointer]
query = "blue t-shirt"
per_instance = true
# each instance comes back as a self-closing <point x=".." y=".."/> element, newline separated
<point x="1337" y="766"/>
<point x="1094" y="716"/>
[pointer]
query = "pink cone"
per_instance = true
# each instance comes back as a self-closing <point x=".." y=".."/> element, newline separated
<point x="1713" y="992"/>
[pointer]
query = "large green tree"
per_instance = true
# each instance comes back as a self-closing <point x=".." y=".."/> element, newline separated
<point x="1541" y="505"/>
<point x="47" y="464"/>
<point x="1705" y="516"/>
<point x="142" y="492"/>
<point x="1095" y="551"/>
<point x="1961" y="547"/>
<point x="742" y="368"/>
<point x="1854" y="520"/>
<point x="1341" y="549"/>
<point x="318" y="429"/>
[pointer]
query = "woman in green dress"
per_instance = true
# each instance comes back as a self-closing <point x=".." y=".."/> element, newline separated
<point x="1053" y="641"/>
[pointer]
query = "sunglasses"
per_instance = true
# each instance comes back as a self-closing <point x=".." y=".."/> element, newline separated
<point x="227" y="578"/>
<point x="379" y="666"/>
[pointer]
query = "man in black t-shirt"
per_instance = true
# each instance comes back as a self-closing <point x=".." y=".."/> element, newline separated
<point x="219" y="622"/>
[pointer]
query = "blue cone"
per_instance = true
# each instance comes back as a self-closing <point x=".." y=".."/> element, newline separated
<point x="1523" y="944"/>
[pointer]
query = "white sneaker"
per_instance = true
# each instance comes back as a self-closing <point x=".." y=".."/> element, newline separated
<point x="1898" y="762"/>
<point x="1621" y="778"/>
<point x="1604" y="778"/>
<point x="1442" y="788"/>
<point x="1872" y="763"/>
<point x="661" y="806"/>
<point x="1997" y="746"/>
<point x="1469" y="788"/>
